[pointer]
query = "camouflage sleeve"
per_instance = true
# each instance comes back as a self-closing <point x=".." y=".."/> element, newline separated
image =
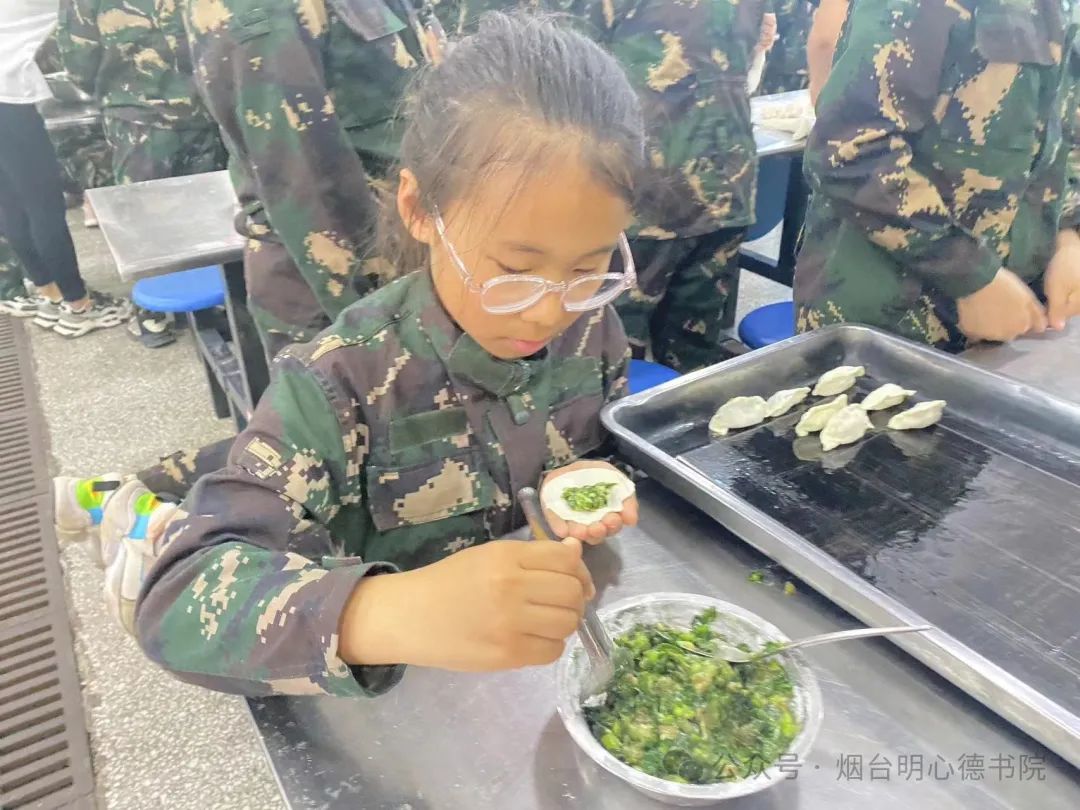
<point x="1070" y="207"/>
<point x="264" y="82"/>
<point x="79" y="42"/>
<point x="880" y="96"/>
<point x="248" y="594"/>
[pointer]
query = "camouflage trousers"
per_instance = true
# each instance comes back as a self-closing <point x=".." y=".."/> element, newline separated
<point x="143" y="152"/>
<point x="686" y="295"/>
<point x="85" y="157"/>
<point x="281" y="302"/>
<point x="177" y="473"/>
<point x="11" y="271"/>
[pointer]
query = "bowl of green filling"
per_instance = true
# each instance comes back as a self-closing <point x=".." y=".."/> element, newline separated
<point x="679" y="724"/>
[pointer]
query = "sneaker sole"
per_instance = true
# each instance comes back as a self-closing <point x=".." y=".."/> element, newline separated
<point x="70" y="330"/>
<point x="18" y="313"/>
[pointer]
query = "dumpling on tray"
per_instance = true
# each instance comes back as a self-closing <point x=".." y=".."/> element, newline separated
<point x="837" y="381"/>
<point x="783" y="401"/>
<point x="923" y="415"/>
<point x="817" y="417"/>
<point x="846" y="426"/>
<point x="887" y="396"/>
<point x="740" y="412"/>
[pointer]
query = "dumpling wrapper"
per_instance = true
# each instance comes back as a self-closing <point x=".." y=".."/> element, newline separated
<point x="551" y="494"/>
<point x="887" y="396"/>
<point x="846" y="426"/>
<point x="923" y="415"/>
<point x="783" y="401"/>
<point x="740" y="412"/>
<point x="817" y="417"/>
<point x="837" y="381"/>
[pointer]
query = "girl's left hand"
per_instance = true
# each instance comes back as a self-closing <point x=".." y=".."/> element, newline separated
<point x="593" y="533"/>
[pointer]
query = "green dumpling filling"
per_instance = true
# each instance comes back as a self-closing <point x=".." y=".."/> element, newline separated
<point x="588" y="498"/>
<point x="677" y="713"/>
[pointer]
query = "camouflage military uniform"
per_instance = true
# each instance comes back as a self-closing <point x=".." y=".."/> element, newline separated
<point x="940" y="155"/>
<point x="381" y="445"/>
<point x="84" y="154"/>
<point x="305" y="92"/>
<point x="132" y="56"/>
<point x="786" y="67"/>
<point x="689" y="62"/>
<point x="11" y="272"/>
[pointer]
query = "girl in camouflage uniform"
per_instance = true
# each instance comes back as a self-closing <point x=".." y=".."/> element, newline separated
<point x="348" y="533"/>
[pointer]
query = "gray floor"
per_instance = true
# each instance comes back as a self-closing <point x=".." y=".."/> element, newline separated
<point x="114" y="406"/>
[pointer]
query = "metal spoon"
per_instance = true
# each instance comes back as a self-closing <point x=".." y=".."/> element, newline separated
<point x="734" y="655"/>
<point x="591" y="631"/>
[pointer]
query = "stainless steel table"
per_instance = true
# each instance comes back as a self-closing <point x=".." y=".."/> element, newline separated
<point x="180" y="223"/>
<point x="895" y="735"/>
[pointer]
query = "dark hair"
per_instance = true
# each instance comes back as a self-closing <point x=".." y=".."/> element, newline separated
<point x="522" y="91"/>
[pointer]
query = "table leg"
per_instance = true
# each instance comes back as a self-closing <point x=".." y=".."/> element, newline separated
<point x="222" y="406"/>
<point x="246" y="344"/>
<point x="795" y="202"/>
<point x="798" y="196"/>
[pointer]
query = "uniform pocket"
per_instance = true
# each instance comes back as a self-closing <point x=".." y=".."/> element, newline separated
<point x="437" y="489"/>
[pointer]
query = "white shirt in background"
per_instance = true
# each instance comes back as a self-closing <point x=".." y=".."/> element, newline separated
<point x="24" y="27"/>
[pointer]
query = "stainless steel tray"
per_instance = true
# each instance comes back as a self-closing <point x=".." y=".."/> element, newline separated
<point x="973" y="526"/>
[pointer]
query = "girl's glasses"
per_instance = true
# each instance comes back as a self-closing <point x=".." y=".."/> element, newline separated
<point x="514" y="293"/>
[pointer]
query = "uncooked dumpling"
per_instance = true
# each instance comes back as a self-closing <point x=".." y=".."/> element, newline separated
<point x="817" y="417"/>
<point x="921" y="416"/>
<point x="783" y="401"/>
<point x="887" y="396"/>
<point x="739" y="412"/>
<point x="604" y="488"/>
<point x="837" y="381"/>
<point x="847" y="426"/>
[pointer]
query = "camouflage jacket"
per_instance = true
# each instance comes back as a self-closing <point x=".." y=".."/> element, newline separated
<point x="940" y="154"/>
<point x="305" y="93"/>
<point x="390" y="442"/>
<point x="689" y="63"/>
<point x="786" y="67"/>
<point x="132" y="56"/>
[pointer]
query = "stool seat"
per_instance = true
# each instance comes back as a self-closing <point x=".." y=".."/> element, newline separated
<point x="645" y="375"/>
<point x="768" y="325"/>
<point x="186" y="291"/>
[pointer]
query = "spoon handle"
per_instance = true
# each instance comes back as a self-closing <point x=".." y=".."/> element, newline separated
<point x="843" y="635"/>
<point x="593" y="635"/>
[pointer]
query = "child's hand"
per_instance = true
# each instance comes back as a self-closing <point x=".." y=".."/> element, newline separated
<point x="1062" y="282"/>
<point x="611" y="524"/>
<point x="501" y="605"/>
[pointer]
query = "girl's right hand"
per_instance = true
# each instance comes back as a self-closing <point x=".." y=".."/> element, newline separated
<point x="500" y="605"/>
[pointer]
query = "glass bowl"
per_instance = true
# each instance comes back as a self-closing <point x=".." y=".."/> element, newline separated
<point x="737" y="625"/>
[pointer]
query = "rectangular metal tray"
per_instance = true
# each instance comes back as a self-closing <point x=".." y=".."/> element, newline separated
<point x="973" y="526"/>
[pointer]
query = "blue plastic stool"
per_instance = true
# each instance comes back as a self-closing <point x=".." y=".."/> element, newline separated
<point x="645" y="375"/>
<point x="186" y="291"/>
<point x="768" y="325"/>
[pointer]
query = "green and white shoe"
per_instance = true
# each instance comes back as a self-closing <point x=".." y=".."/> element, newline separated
<point x="79" y="507"/>
<point x="131" y="531"/>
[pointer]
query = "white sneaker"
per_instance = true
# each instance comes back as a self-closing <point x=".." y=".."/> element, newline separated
<point x="78" y="509"/>
<point x="131" y="531"/>
<point x="104" y="311"/>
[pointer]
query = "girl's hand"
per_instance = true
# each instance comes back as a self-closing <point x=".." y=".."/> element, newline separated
<point x="1062" y="282"/>
<point x="608" y="526"/>
<point x="500" y="605"/>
